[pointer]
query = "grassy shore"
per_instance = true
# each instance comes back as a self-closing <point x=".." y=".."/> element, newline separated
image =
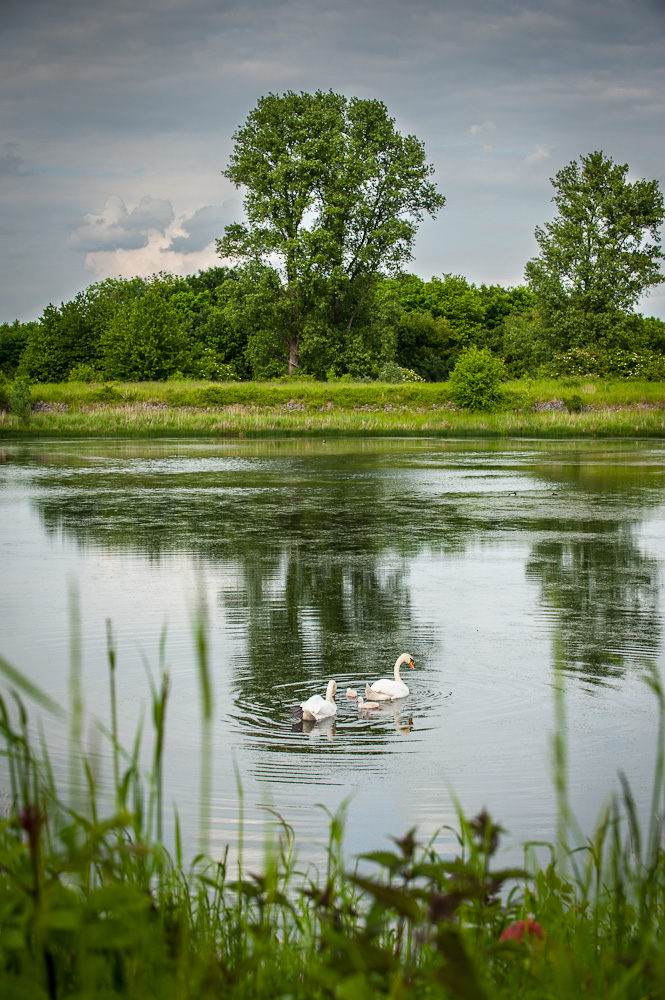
<point x="544" y="408"/>
<point x="93" y="904"/>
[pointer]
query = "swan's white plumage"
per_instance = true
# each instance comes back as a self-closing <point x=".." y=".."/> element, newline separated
<point x="317" y="708"/>
<point x="388" y="690"/>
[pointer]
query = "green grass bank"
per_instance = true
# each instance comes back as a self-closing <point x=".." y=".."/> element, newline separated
<point x="543" y="408"/>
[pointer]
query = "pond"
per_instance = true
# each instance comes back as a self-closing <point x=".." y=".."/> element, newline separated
<point x="500" y="567"/>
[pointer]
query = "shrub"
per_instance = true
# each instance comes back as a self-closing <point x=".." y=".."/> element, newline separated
<point x="211" y="367"/>
<point x="19" y="398"/>
<point x="574" y="403"/>
<point x="106" y="393"/>
<point x="394" y="373"/>
<point x="84" y="372"/>
<point x="475" y="381"/>
<point x="616" y="363"/>
<point x="297" y="376"/>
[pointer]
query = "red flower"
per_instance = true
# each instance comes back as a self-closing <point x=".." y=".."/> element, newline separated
<point x="517" y="931"/>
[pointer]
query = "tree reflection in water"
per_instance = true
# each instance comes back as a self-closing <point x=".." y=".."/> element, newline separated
<point x="321" y="539"/>
<point x="603" y="592"/>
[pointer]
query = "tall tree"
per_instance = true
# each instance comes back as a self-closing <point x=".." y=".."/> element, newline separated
<point x="334" y="195"/>
<point x="598" y="255"/>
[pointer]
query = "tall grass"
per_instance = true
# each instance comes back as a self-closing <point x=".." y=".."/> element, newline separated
<point x="92" y="904"/>
<point x="587" y="408"/>
<point x="256" y="422"/>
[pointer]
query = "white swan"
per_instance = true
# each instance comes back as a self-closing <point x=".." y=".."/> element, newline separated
<point x="316" y="707"/>
<point x="387" y="690"/>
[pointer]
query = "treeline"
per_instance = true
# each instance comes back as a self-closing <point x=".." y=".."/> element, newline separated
<point x="218" y="325"/>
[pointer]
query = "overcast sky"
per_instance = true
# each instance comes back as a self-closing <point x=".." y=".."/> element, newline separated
<point x="118" y="118"/>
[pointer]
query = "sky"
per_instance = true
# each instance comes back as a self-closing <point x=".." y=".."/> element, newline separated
<point x="117" y="120"/>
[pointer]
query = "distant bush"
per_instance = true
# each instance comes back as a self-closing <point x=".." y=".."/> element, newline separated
<point x="106" y="393"/>
<point x="84" y="372"/>
<point x="475" y="381"/>
<point x="297" y="376"/>
<point x="395" y="374"/>
<point x="574" y="403"/>
<point x="616" y="363"/>
<point x="20" y="402"/>
<point x="211" y="367"/>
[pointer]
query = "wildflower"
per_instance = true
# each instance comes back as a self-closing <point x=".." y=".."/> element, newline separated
<point x="518" y="930"/>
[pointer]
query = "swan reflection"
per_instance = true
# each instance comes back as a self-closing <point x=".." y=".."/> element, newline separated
<point x="324" y="727"/>
<point x="377" y="708"/>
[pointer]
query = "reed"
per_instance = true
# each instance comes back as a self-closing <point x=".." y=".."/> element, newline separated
<point x="93" y="904"/>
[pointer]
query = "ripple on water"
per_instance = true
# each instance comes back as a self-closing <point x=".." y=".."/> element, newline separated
<point x="280" y="744"/>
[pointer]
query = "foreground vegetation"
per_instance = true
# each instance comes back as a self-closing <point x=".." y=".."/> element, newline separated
<point x="93" y="904"/>
<point x="538" y="408"/>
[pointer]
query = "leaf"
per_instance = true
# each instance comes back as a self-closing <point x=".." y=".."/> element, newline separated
<point x="395" y="899"/>
<point x="63" y="920"/>
<point x="20" y="988"/>
<point x="459" y="973"/>
<point x="117" y="898"/>
<point x="16" y="678"/>
<point x="385" y="858"/>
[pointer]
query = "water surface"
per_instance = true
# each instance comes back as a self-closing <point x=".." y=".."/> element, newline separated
<point x="489" y="563"/>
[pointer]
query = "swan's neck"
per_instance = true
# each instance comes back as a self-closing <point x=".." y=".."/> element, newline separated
<point x="330" y="692"/>
<point x="404" y="658"/>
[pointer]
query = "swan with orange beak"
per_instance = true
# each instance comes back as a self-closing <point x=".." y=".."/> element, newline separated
<point x="387" y="690"/>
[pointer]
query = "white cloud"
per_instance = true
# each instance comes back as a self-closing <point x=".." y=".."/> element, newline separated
<point x="144" y="261"/>
<point x="538" y="154"/>
<point x="482" y="129"/>
<point x="204" y="227"/>
<point x="118" y="229"/>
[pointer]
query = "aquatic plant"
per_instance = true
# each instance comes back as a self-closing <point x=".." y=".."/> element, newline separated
<point x="93" y="904"/>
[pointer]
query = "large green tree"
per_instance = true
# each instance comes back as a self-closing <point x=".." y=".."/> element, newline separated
<point x="598" y="255"/>
<point x="333" y="197"/>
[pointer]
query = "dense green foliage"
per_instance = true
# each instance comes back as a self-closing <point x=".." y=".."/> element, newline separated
<point x="475" y="381"/>
<point x="333" y="196"/>
<point x="599" y="254"/>
<point x="203" y="326"/>
<point x="92" y="903"/>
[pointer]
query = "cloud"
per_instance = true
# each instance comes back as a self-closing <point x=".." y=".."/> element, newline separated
<point x="203" y="227"/>
<point x="131" y="97"/>
<point x="150" y="239"/>
<point x="118" y="229"/>
<point x="155" y="256"/>
<point x="11" y="164"/>
<point x="538" y="153"/>
<point x="482" y="129"/>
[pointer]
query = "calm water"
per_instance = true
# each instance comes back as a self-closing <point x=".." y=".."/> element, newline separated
<point x="486" y="562"/>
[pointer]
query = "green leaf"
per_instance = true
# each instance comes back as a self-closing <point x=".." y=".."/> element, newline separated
<point x="63" y="920"/>
<point x="26" y="686"/>
<point x="395" y="899"/>
<point x="385" y="858"/>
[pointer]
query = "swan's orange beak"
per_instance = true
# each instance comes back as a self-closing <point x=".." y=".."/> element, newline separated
<point x="412" y="664"/>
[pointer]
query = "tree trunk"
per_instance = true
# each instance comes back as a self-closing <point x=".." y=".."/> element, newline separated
<point x="293" y="354"/>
